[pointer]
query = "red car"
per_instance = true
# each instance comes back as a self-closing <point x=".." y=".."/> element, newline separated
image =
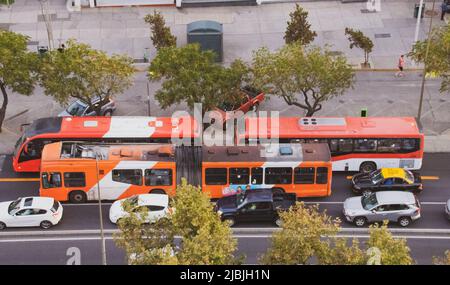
<point x="251" y="99"/>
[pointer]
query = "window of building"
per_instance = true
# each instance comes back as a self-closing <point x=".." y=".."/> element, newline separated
<point x="74" y="179"/>
<point x="216" y="176"/>
<point x="278" y="175"/>
<point x="257" y="175"/>
<point x="239" y="175"/>
<point x="128" y="176"/>
<point x="158" y="177"/>
<point x="322" y="175"/>
<point x="51" y="180"/>
<point x="304" y="175"/>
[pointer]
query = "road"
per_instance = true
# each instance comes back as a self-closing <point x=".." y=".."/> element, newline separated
<point x="51" y="248"/>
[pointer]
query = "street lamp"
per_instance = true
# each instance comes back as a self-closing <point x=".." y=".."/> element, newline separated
<point x="422" y="88"/>
<point x="102" y="235"/>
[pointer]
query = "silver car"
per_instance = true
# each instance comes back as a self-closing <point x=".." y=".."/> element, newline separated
<point x="395" y="206"/>
<point x="81" y="109"/>
<point x="447" y="209"/>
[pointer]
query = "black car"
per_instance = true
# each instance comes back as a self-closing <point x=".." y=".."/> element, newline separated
<point x="259" y="205"/>
<point x="387" y="179"/>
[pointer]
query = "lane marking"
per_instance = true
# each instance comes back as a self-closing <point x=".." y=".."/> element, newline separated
<point x="426" y="177"/>
<point x="337" y="203"/>
<point x="19" y="179"/>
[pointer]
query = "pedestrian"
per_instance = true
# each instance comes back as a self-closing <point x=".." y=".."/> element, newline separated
<point x="443" y="9"/>
<point x="401" y="65"/>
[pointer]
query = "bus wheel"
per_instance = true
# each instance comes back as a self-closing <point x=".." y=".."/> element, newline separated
<point x="157" y="191"/>
<point x="367" y="166"/>
<point x="77" y="197"/>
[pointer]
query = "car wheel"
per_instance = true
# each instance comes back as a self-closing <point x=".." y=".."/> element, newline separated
<point x="46" y="224"/>
<point x="108" y="113"/>
<point x="366" y="193"/>
<point x="360" y="221"/>
<point x="77" y="197"/>
<point x="279" y="222"/>
<point x="2" y="226"/>
<point x="231" y="221"/>
<point x="367" y="167"/>
<point x="404" y="221"/>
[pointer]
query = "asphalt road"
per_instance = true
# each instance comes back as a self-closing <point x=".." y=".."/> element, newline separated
<point x="85" y="217"/>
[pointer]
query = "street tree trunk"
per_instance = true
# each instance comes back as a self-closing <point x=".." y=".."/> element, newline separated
<point x="4" y="104"/>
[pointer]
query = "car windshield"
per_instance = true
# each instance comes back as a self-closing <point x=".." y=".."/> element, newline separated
<point x="14" y="205"/>
<point x="133" y="201"/>
<point x="376" y="177"/>
<point x="370" y="201"/>
<point x="409" y="176"/>
<point x="19" y="143"/>
<point x="76" y="109"/>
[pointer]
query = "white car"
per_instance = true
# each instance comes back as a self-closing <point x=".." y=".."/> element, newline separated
<point x="30" y="212"/>
<point x="156" y="205"/>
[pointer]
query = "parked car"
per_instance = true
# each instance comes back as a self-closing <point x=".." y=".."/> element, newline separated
<point x="394" y="206"/>
<point x="256" y="205"/>
<point x="156" y="207"/>
<point x="386" y="179"/>
<point x="250" y="100"/>
<point x="41" y="212"/>
<point x="81" y="109"/>
<point x="447" y="209"/>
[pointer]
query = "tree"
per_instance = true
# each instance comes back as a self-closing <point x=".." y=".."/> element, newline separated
<point x="84" y="73"/>
<point x="438" y="60"/>
<point x="204" y="238"/>
<point x="442" y="260"/>
<point x="394" y="251"/>
<point x="191" y="75"/>
<point x="18" y="68"/>
<point x="359" y="40"/>
<point x="301" y="235"/>
<point x="339" y="253"/>
<point x="161" y="35"/>
<point x="298" y="29"/>
<point x="315" y="75"/>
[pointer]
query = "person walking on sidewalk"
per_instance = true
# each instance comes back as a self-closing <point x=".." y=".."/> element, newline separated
<point x="444" y="6"/>
<point x="401" y="65"/>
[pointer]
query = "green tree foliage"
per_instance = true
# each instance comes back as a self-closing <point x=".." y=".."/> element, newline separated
<point x="84" y="73"/>
<point x="359" y="40"/>
<point x="340" y="253"/>
<point x="191" y="75"/>
<point x="394" y="251"/>
<point x="204" y="238"/>
<point x="300" y="238"/>
<point x="161" y="35"/>
<point x="438" y="54"/>
<point x="442" y="260"/>
<point x="298" y="29"/>
<point x="18" y="68"/>
<point x="303" y="77"/>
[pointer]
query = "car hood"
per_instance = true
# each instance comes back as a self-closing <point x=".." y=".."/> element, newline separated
<point x="448" y="204"/>
<point x="116" y="209"/>
<point x="4" y="207"/>
<point x="353" y="205"/>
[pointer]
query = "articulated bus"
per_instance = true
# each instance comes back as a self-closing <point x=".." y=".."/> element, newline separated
<point x="72" y="171"/>
<point x="356" y="143"/>
<point x="28" y="149"/>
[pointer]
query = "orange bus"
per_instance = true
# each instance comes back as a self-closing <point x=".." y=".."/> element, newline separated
<point x="28" y="149"/>
<point x="356" y="143"/>
<point x="72" y="171"/>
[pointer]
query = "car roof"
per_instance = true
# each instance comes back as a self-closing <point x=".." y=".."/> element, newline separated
<point x="390" y="197"/>
<point x="37" y="202"/>
<point x="393" y="173"/>
<point x="259" y="195"/>
<point x="153" y="200"/>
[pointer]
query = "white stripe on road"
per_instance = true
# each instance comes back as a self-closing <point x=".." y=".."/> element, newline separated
<point x="337" y="203"/>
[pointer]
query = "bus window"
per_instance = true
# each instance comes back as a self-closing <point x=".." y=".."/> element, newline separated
<point x="322" y="175"/>
<point x="389" y="145"/>
<point x="257" y="175"/>
<point x="278" y="175"/>
<point x="128" y="176"/>
<point x="216" y="176"/>
<point x="304" y="175"/>
<point x="239" y="175"/>
<point x="365" y="145"/>
<point x="51" y="180"/>
<point x="345" y="145"/>
<point x="158" y="177"/>
<point x="74" y="179"/>
<point x="409" y="145"/>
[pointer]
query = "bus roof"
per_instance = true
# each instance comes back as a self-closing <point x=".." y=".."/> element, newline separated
<point x="275" y="152"/>
<point x="317" y="127"/>
<point x="113" y="127"/>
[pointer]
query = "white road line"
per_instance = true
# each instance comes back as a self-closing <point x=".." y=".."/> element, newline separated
<point x="337" y="203"/>
<point x="86" y="204"/>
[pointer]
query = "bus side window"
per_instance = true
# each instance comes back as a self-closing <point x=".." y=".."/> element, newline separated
<point x="158" y="177"/>
<point x="74" y="179"/>
<point x="216" y="176"/>
<point x="128" y="176"/>
<point x="51" y="180"/>
<point x="409" y="145"/>
<point x="304" y="175"/>
<point x="322" y="175"/>
<point x="239" y="175"/>
<point x="278" y="175"/>
<point x="257" y="175"/>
